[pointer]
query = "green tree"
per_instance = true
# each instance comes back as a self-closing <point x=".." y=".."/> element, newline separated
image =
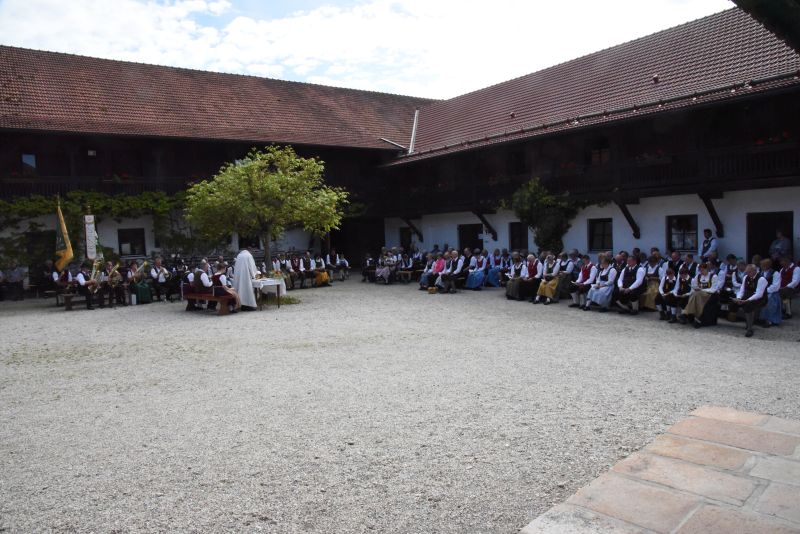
<point x="264" y="193"/>
<point x="549" y="216"/>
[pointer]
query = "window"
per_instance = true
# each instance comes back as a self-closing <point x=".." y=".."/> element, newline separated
<point x="682" y="232"/>
<point x="599" y="152"/>
<point x="28" y="163"/>
<point x="131" y="241"/>
<point x="517" y="236"/>
<point x="517" y="162"/>
<point x="601" y="234"/>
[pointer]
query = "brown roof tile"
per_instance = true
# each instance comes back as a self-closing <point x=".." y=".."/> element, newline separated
<point x="706" y="55"/>
<point x="63" y="92"/>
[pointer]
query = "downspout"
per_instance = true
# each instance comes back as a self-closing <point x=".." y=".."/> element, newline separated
<point x="413" y="132"/>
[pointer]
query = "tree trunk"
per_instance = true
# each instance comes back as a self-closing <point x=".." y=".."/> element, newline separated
<point x="266" y="237"/>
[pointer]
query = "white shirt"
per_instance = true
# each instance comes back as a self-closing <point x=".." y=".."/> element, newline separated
<point x="697" y="280"/>
<point x="712" y="247"/>
<point x="775" y="283"/>
<point x="158" y="274"/>
<point x="459" y="265"/>
<point x="521" y="269"/>
<point x="662" y="287"/>
<point x="609" y="271"/>
<point x="795" y="281"/>
<point x="761" y="286"/>
<point x="203" y="278"/>
<point x="82" y="278"/>
<point x="589" y="279"/>
<point x="567" y="266"/>
<point x="636" y="283"/>
<point x="678" y="287"/>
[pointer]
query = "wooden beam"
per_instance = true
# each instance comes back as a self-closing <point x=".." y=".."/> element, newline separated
<point x="486" y="224"/>
<point x="413" y="228"/>
<point x="629" y="217"/>
<point x="712" y="211"/>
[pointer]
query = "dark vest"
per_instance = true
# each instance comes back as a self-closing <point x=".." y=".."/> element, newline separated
<point x="684" y="286"/>
<point x="629" y="276"/>
<point x="750" y="286"/>
<point x="786" y="275"/>
<point x="669" y="285"/>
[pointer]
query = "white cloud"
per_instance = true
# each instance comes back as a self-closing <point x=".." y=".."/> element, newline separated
<point x="430" y="48"/>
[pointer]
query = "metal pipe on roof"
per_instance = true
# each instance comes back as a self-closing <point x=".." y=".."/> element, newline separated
<point x="413" y="132"/>
<point x="398" y="145"/>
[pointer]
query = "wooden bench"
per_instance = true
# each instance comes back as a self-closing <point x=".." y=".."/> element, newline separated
<point x="72" y="298"/>
<point x="404" y="276"/>
<point x="222" y="301"/>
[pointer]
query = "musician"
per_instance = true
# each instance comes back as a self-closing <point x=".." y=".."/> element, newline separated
<point x="679" y="297"/>
<point x="137" y="282"/>
<point x="86" y="286"/>
<point x="580" y="287"/>
<point x="703" y="304"/>
<point x="159" y="276"/>
<point x="708" y="246"/>
<point x="665" y="289"/>
<point x="111" y="284"/>
<point x="630" y="287"/>
<point x="752" y="296"/>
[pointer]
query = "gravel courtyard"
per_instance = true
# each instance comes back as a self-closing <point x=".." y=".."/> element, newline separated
<point x="363" y="409"/>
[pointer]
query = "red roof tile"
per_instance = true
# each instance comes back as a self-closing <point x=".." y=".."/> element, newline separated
<point x="707" y="55"/>
<point x="68" y="93"/>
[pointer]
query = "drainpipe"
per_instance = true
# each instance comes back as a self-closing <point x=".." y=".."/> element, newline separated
<point x="413" y="132"/>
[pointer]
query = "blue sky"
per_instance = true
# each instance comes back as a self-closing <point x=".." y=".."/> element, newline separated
<point x="433" y="48"/>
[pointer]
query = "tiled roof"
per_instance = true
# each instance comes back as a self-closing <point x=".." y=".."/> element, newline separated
<point x="68" y="93"/>
<point x="695" y="62"/>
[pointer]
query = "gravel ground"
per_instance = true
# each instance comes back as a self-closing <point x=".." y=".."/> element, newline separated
<point x="363" y="409"/>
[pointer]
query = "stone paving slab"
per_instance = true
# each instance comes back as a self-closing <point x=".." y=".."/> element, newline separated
<point x="719" y="471"/>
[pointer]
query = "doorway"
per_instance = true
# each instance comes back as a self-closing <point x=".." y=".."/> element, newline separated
<point x="761" y="228"/>
<point x="405" y="238"/>
<point x="469" y="235"/>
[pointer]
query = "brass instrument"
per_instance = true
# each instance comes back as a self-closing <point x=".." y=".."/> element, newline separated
<point x="137" y="276"/>
<point x="114" y="278"/>
<point x="165" y="272"/>
<point x="94" y="278"/>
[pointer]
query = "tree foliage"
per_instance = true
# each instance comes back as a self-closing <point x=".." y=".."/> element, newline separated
<point x="263" y="194"/>
<point x="549" y="216"/>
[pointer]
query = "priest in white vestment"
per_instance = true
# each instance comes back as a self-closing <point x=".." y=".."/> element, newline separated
<point x="243" y="275"/>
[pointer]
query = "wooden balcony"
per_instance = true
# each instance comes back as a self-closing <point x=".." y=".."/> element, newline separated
<point x="16" y="186"/>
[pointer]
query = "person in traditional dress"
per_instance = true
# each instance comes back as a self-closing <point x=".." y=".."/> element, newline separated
<point x="88" y="287"/>
<point x="307" y="269"/>
<point x="406" y="265"/>
<point x="517" y="270"/>
<point x="368" y="267"/>
<point x="567" y="273"/>
<point x="752" y="296"/>
<point x="477" y="270"/>
<point x="386" y="268"/>
<point x="665" y="288"/>
<point x="680" y="296"/>
<point x="159" y="275"/>
<point x="495" y="272"/>
<point x="602" y="290"/>
<point x="296" y="271"/>
<point x="690" y="265"/>
<point x="708" y="246"/>
<point x="199" y="282"/>
<point x="771" y="313"/>
<point x="790" y="285"/>
<point x="528" y="283"/>
<point x="630" y="286"/>
<point x="653" y="273"/>
<point x="335" y="265"/>
<point x="243" y="278"/>
<point x="725" y="277"/>
<point x="446" y="282"/>
<point x="675" y="262"/>
<point x="548" y="287"/>
<point x="219" y="284"/>
<point x="782" y="246"/>
<point x="137" y="282"/>
<point x="432" y="271"/>
<point x="580" y="287"/>
<point x="321" y="277"/>
<point x="112" y="284"/>
<point x="702" y="308"/>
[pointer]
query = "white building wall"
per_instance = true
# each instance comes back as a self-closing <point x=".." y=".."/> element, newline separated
<point x="442" y="228"/>
<point x="650" y="214"/>
<point x="107" y="231"/>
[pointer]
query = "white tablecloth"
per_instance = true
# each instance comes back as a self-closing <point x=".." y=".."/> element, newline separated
<point x="270" y="285"/>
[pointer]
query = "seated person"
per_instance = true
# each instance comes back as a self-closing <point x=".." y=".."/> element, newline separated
<point x="368" y="267"/>
<point x="447" y="278"/>
<point x="307" y="267"/>
<point x="477" y="270"/>
<point x="406" y="266"/>
<point x="653" y="273"/>
<point x="548" y="288"/>
<point x="386" y="268"/>
<point x="665" y="288"/>
<point x="433" y="268"/>
<point x="752" y="296"/>
<point x="517" y="271"/>
<point x="335" y="265"/>
<point x="88" y="287"/>
<point x="630" y="286"/>
<point x="199" y="282"/>
<point x="220" y="288"/>
<point x="112" y="284"/>
<point x="790" y="285"/>
<point x="602" y="291"/>
<point x="679" y="297"/>
<point x="703" y="304"/>
<point x="580" y="287"/>
<point x="321" y="277"/>
<point x="771" y="313"/>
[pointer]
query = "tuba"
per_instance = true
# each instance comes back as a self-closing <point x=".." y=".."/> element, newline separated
<point x="94" y="279"/>
<point x="137" y="276"/>
<point x="114" y="278"/>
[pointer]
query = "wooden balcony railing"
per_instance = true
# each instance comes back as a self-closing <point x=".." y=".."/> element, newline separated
<point x="51" y="185"/>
